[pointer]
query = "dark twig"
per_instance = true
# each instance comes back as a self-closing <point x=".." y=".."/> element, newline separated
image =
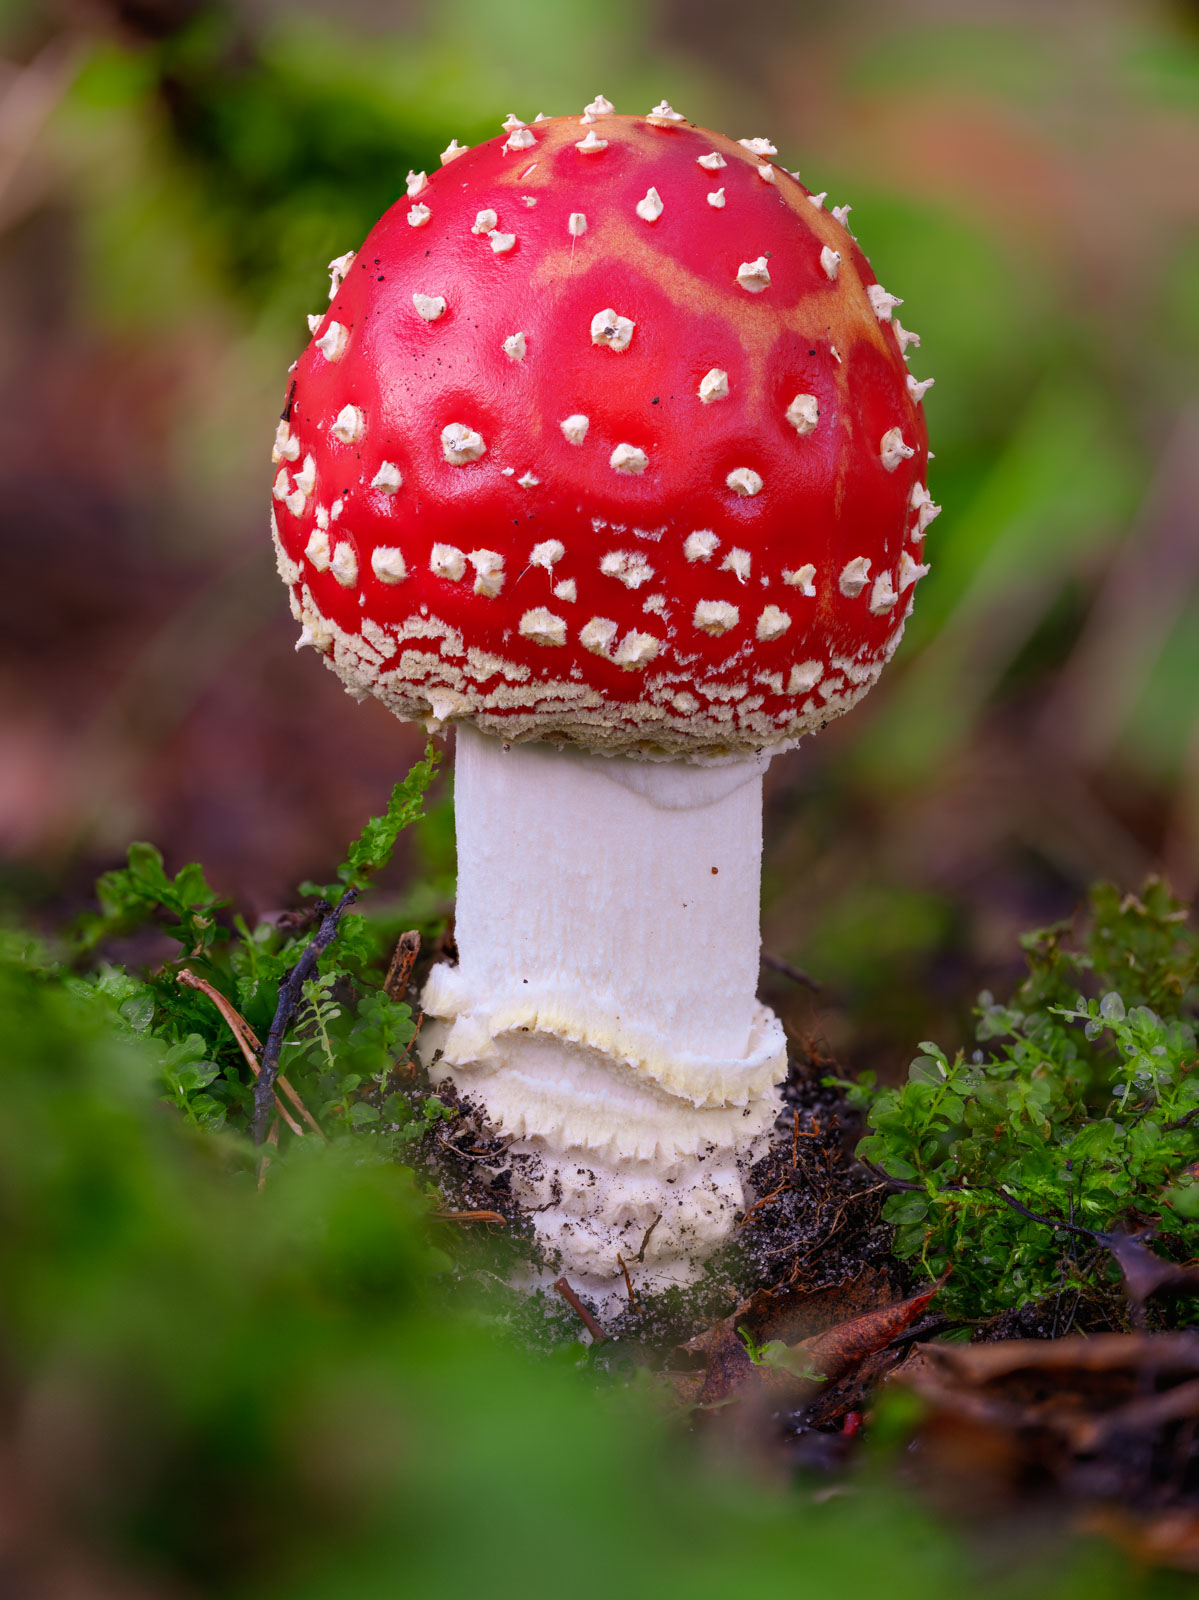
<point x="1051" y="1222"/>
<point x="796" y="974"/>
<point x="290" y="992"/>
<point x="598" y="1334"/>
<point x="647" y="1236"/>
<point x="1181" y="1122"/>
<point x="628" y="1283"/>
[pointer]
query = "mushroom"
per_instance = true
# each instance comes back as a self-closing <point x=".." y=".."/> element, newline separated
<point x="638" y="507"/>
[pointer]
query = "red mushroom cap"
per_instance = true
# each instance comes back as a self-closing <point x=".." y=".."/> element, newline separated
<point x="606" y="437"/>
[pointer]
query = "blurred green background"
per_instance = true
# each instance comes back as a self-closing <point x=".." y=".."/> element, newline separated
<point x="174" y="176"/>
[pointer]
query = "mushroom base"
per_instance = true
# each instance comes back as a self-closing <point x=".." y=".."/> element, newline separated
<point x="603" y="1011"/>
<point x="621" y="1171"/>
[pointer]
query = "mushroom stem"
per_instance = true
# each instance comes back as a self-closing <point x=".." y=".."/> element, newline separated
<point x="603" y="1010"/>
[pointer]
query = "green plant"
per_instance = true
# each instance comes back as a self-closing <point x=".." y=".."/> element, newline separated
<point x="779" y="1356"/>
<point x="1081" y="1107"/>
<point x="349" y="1037"/>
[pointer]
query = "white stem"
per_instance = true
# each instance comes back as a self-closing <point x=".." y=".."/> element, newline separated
<point x="603" y="1009"/>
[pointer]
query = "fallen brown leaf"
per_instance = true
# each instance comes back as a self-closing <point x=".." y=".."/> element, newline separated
<point x="788" y="1313"/>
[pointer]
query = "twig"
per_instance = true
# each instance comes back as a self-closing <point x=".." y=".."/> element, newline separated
<point x="599" y="1335"/>
<point x="1181" y="1122"/>
<point x="290" y="991"/>
<point x="895" y="1183"/>
<point x="796" y="974"/>
<point x="628" y="1283"/>
<point x="646" y="1237"/>
<point x="470" y="1216"/>
<point x="248" y="1040"/>
<point x="1049" y="1222"/>
<point x="395" y="984"/>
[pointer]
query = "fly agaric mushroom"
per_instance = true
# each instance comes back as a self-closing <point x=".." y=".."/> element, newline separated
<point x="622" y="474"/>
